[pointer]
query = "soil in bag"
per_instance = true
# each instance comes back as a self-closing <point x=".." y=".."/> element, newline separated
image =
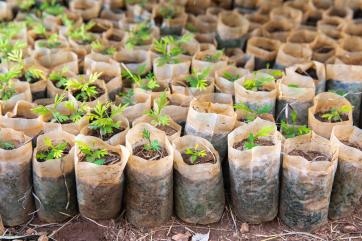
<point x="110" y="159"/>
<point x="208" y="158"/>
<point x="319" y="116"/>
<point x="150" y="155"/>
<point x="311" y="72"/>
<point x="167" y="129"/>
<point x="312" y="156"/>
<point x="97" y="133"/>
<point x="258" y="142"/>
<point x="352" y="145"/>
<point x="99" y="90"/>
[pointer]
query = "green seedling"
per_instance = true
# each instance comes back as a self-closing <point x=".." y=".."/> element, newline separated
<point x="53" y="151"/>
<point x="25" y="5"/>
<point x="81" y="34"/>
<point x="33" y="75"/>
<point x="52" y="7"/>
<point x="213" y="58"/>
<point x="231" y="77"/>
<point x="198" y="79"/>
<point x="293" y="86"/>
<point x="7" y="145"/>
<point x="127" y="97"/>
<point x="7" y="89"/>
<point x="335" y="114"/>
<point x="151" y="145"/>
<point x="257" y="82"/>
<point x="85" y="87"/>
<point x="167" y="12"/>
<point x="51" y="42"/>
<point x="159" y="119"/>
<point x="100" y="48"/>
<point x="139" y="35"/>
<point x="252" y="114"/>
<point x="59" y="78"/>
<point x="195" y="153"/>
<point x="96" y="156"/>
<point x="292" y="130"/>
<point x="250" y="142"/>
<point x="147" y="83"/>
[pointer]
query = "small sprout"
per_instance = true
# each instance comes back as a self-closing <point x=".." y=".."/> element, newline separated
<point x="198" y="80"/>
<point x="7" y="89"/>
<point x="214" y="57"/>
<point x="292" y="130"/>
<point x="52" y="7"/>
<point x="252" y="114"/>
<point x="257" y="82"/>
<point x="231" y="77"/>
<point x="195" y="153"/>
<point x="167" y="12"/>
<point x="250" y="142"/>
<point x="127" y="98"/>
<point x="190" y="27"/>
<point x="87" y="90"/>
<point x="25" y="5"/>
<point x="51" y="42"/>
<point x="53" y="151"/>
<point x="81" y="34"/>
<point x="139" y="35"/>
<point x="7" y="145"/>
<point x="99" y="47"/>
<point x="339" y="92"/>
<point x="151" y="145"/>
<point x="149" y="82"/>
<point x="59" y="77"/>
<point x="159" y="119"/>
<point x="93" y="156"/>
<point x="335" y="114"/>
<point x="293" y="86"/>
<point x="33" y="74"/>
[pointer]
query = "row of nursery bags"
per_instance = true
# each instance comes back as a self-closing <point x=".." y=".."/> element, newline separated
<point x="64" y="186"/>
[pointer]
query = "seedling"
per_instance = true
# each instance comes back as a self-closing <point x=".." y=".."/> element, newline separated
<point x="292" y="130"/>
<point x="335" y="114"/>
<point x="100" y="48"/>
<point x="339" y="92"/>
<point x="147" y="83"/>
<point x="159" y="119"/>
<point x="251" y="141"/>
<point x="257" y="83"/>
<point x="231" y="77"/>
<point x="40" y="30"/>
<point x="198" y="80"/>
<point x="8" y="30"/>
<point x="8" y="49"/>
<point x="127" y="97"/>
<point x="190" y="27"/>
<point x="51" y="42"/>
<point x="252" y="114"/>
<point x="85" y="88"/>
<point x="7" y="89"/>
<point x="213" y="58"/>
<point x="52" y="7"/>
<point x="81" y="34"/>
<point x="77" y="112"/>
<point x="167" y="12"/>
<point x="151" y="145"/>
<point x="169" y="49"/>
<point x="293" y="86"/>
<point x="93" y="156"/>
<point x="195" y="153"/>
<point x="7" y="145"/>
<point x="275" y="72"/>
<point x="101" y="118"/>
<point x="59" y="78"/>
<point x="139" y="35"/>
<point x="25" y="5"/>
<point x="53" y="152"/>
<point x="33" y="75"/>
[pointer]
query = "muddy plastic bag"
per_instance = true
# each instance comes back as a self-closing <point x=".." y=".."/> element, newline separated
<point x="226" y="77"/>
<point x="277" y="29"/>
<point x="54" y="180"/>
<point x="345" y="77"/>
<point x="323" y="49"/>
<point x="344" y="13"/>
<point x="256" y="21"/>
<point x="284" y="12"/>
<point x="197" y="7"/>
<point x="306" y="185"/>
<point x="113" y="38"/>
<point x="199" y="189"/>
<point x="88" y="9"/>
<point x="23" y="92"/>
<point x="291" y="53"/>
<point x="21" y="118"/>
<point x="212" y="121"/>
<point x="296" y="92"/>
<point x="100" y="187"/>
<point x="203" y="26"/>
<point x="347" y="188"/>
<point x="149" y="199"/>
<point x="231" y="30"/>
<point x="116" y="139"/>
<point x="256" y="99"/>
<point x="240" y="59"/>
<point x="324" y="102"/>
<point x="254" y="173"/>
<point x="302" y="36"/>
<point x="16" y="200"/>
<point x="264" y="50"/>
<point x="314" y="70"/>
<point x="110" y="69"/>
<point x="169" y="25"/>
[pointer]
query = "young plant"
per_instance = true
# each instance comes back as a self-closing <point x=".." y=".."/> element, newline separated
<point x="9" y="49"/>
<point x="198" y="80"/>
<point x="167" y="12"/>
<point x="85" y="88"/>
<point x="93" y="156"/>
<point x="214" y="57"/>
<point x="251" y="141"/>
<point x="335" y="114"/>
<point x="159" y="119"/>
<point x="81" y="34"/>
<point x="33" y="75"/>
<point x="250" y="113"/>
<point x="257" y="83"/>
<point x="169" y="49"/>
<point x="101" y="118"/>
<point x="39" y="29"/>
<point x="151" y="145"/>
<point x="7" y="145"/>
<point x="51" y="42"/>
<point x="77" y="112"/>
<point x="231" y="77"/>
<point x="52" y="7"/>
<point x="147" y="83"/>
<point x="274" y="72"/>
<point x="195" y="153"/>
<point x="53" y="151"/>
<point x="100" y="48"/>
<point x="139" y="35"/>
<point x="7" y="89"/>
<point x="127" y="97"/>
<point x="292" y="130"/>
<point x="25" y="5"/>
<point x="59" y="78"/>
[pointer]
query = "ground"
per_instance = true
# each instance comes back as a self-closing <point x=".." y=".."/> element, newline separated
<point x="83" y="229"/>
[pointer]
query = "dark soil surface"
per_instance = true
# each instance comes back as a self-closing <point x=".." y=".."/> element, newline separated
<point x="259" y="142"/>
<point x="65" y="152"/>
<point x="312" y="156"/>
<point x="99" y="90"/>
<point x="323" y="50"/>
<point x="110" y="159"/>
<point x="97" y="133"/>
<point x="309" y="72"/>
<point x="209" y="158"/>
<point x="25" y="117"/>
<point x="149" y="154"/>
<point x="352" y="145"/>
<point x="167" y="129"/>
<point x="31" y="80"/>
<point x="107" y="78"/>
<point x="319" y="117"/>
